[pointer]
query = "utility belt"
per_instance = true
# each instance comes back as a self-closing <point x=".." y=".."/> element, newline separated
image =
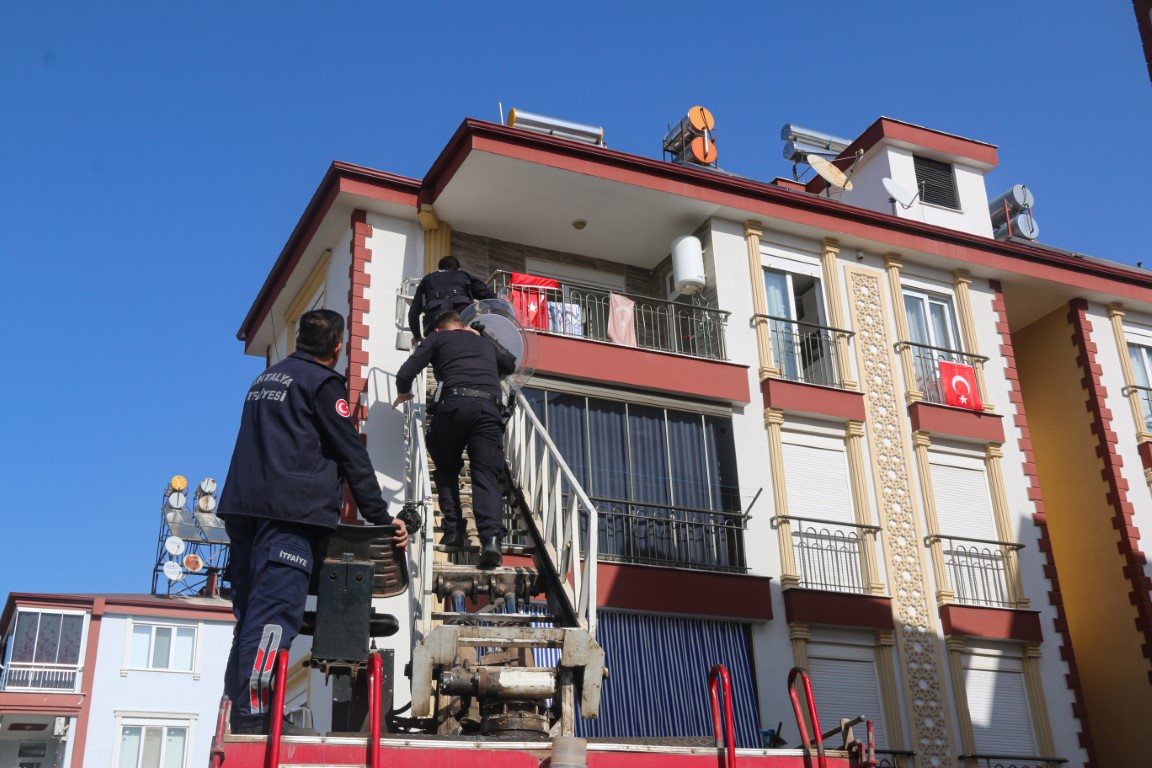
<point x="442" y="393"/>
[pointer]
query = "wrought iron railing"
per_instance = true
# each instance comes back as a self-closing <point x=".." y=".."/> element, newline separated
<point x="926" y="367"/>
<point x="977" y="569"/>
<point x="895" y="758"/>
<point x="830" y="553"/>
<point x="418" y="493"/>
<point x="1011" y="761"/>
<point x="583" y="311"/>
<point x="806" y="352"/>
<point x="677" y="537"/>
<point x="1144" y="395"/>
<point x="20" y="676"/>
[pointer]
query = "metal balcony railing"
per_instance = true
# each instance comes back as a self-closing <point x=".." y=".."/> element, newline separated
<point x="978" y="569"/>
<point x="19" y="676"/>
<point x="1144" y="395"/>
<point x="895" y="758"/>
<point x="830" y="553"/>
<point x="806" y="352"/>
<point x="926" y="367"/>
<point x="1010" y="761"/>
<point x="584" y="312"/>
<point x="676" y="537"/>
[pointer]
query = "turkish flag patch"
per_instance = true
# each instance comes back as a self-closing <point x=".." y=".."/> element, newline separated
<point x="342" y="408"/>
<point x="959" y="385"/>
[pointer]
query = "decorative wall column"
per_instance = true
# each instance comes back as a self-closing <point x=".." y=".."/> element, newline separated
<point x="854" y="450"/>
<point x="774" y="423"/>
<point x="437" y="237"/>
<point x="1041" y="725"/>
<point x="889" y="693"/>
<point x="799" y="633"/>
<point x="892" y="266"/>
<point x="956" y="650"/>
<point x="752" y="234"/>
<point x="829" y="253"/>
<point x="992" y="456"/>
<point x="961" y="279"/>
<point x="916" y="639"/>
<point x="1116" y="316"/>
<point x="944" y="592"/>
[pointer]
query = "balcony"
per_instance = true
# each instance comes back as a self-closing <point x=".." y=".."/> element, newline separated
<point x="806" y="352"/>
<point x="829" y="555"/>
<point x="63" y="678"/>
<point x="582" y="311"/>
<point x="925" y="363"/>
<point x="1011" y="761"/>
<point x="980" y="572"/>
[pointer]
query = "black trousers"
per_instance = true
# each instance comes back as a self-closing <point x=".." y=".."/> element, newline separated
<point x="475" y="424"/>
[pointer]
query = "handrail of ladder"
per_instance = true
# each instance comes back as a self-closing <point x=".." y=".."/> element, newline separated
<point x="375" y="681"/>
<point x="418" y="491"/>
<point x="276" y="710"/>
<point x="805" y="739"/>
<point x="725" y="739"/>
<point x="545" y="479"/>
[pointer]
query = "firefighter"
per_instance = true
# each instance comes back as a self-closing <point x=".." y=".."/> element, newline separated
<point x="448" y="288"/>
<point x="469" y="414"/>
<point x="295" y="449"/>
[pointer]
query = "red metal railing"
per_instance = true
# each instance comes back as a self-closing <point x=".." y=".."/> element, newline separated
<point x="375" y="676"/>
<point x="725" y="739"/>
<point x="276" y="716"/>
<point x="821" y="759"/>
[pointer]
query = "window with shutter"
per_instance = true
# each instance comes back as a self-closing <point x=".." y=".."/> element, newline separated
<point x="936" y="182"/>
<point x="998" y="705"/>
<point x="845" y="685"/>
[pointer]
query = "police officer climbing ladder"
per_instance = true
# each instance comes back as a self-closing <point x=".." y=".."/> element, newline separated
<point x="447" y="289"/>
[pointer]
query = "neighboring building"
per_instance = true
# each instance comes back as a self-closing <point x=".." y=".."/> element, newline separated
<point x="885" y="441"/>
<point x="111" y="680"/>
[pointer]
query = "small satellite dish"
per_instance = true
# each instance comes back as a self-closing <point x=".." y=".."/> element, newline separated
<point x="174" y="545"/>
<point x="898" y="193"/>
<point x="177" y="500"/>
<point x="193" y="563"/>
<point x="829" y="172"/>
<point x="173" y="570"/>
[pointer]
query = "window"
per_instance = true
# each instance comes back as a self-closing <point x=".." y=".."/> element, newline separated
<point x="162" y="647"/>
<point x="845" y="684"/>
<point x="998" y="703"/>
<point x="802" y="346"/>
<point x="44" y="651"/>
<point x="663" y="480"/>
<point x="1141" y="357"/>
<point x="936" y="182"/>
<point x="933" y="337"/>
<point x="153" y="746"/>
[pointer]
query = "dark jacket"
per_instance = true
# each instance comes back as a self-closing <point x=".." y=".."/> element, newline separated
<point x="296" y="447"/>
<point x="459" y="358"/>
<point x="442" y="291"/>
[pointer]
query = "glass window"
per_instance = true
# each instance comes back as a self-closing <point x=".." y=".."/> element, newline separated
<point x="1141" y="357"/>
<point x="42" y="637"/>
<point x="161" y="647"/>
<point x="931" y="320"/>
<point x="801" y="344"/>
<point x="153" y="746"/>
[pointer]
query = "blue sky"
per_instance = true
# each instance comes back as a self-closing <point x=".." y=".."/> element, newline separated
<point x="154" y="158"/>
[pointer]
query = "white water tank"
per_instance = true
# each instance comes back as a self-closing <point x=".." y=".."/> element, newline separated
<point x="687" y="264"/>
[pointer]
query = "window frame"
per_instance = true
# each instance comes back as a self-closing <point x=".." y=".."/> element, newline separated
<point x="131" y="626"/>
<point x="923" y="184"/>
<point x="165" y="720"/>
<point x="10" y="642"/>
<point x="998" y="658"/>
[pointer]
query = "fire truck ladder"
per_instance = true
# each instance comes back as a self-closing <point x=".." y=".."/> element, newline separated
<point x="514" y="667"/>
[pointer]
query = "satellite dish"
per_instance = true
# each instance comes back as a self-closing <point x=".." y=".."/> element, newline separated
<point x="898" y="193"/>
<point x="207" y="485"/>
<point x="174" y="545"/>
<point x="173" y="570"/>
<point x="193" y="562"/>
<point x="829" y="172"/>
<point x="500" y="323"/>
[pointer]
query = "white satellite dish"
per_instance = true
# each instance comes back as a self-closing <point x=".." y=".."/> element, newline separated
<point x="174" y="545"/>
<point x="207" y="485"/>
<point x="829" y="172"/>
<point x="898" y="194"/>
<point x="173" y="570"/>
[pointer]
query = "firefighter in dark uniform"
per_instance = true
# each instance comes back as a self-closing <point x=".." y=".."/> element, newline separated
<point x="469" y="413"/>
<point x="295" y="450"/>
<point x="447" y="289"/>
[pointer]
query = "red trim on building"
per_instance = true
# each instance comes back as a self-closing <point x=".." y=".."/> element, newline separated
<point x="840" y="609"/>
<point x="1001" y="623"/>
<point x="359" y="305"/>
<point x="1145" y="454"/>
<point x="1040" y="519"/>
<point x="956" y="422"/>
<point x="641" y="369"/>
<point x="783" y="183"/>
<point x="672" y="590"/>
<point x="1127" y="532"/>
<point x="808" y="398"/>
<point x="979" y="152"/>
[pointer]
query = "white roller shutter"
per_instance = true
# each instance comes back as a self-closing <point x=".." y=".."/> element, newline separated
<point x="816" y="480"/>
<point x="998" y="705"/>
<point x="963" y="504"/>
<point x="845" y="688"/>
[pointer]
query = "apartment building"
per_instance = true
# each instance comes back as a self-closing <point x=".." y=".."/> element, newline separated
<point x="886" y="437"/>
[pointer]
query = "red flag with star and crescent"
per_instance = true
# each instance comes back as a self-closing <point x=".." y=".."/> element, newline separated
<point x="958" y="381"/>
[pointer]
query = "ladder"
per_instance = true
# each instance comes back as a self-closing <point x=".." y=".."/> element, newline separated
<point x="517" y="666"/>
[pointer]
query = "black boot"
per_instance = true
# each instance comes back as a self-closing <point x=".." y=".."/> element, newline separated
<point x="490" y="556"/>
<point x="455" y="539"/>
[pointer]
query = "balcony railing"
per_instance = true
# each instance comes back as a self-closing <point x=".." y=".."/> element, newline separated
<point x="830" y="554"/>
<point x="926" y="367"/>
<point x="19" y="676"/>
<point x="675" y="537"/>
<point x="1011" y="761"/>
<point x="978" y="569"/>
<point x="1144" y="396"/>
<point x="806" y="352"/>
<point x="584" y="312"/>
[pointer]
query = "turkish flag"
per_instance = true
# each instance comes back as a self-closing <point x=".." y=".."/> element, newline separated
<point x="958" y="381"/>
